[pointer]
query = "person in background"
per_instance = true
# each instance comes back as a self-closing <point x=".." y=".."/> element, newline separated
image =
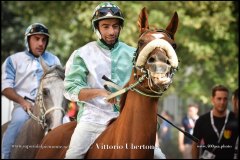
<point x="166" y="134"/>
<point x="235" y="105"/>
<point x="188" y="122"/>
<point x="71" y="115"/>
<point x="83" y="83"/>
<point x="165" y="128"/>
<point x="21" y="74"/>
<point x="217" y="140"/>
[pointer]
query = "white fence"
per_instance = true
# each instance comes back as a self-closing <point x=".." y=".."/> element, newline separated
<point x="6" y="108"/>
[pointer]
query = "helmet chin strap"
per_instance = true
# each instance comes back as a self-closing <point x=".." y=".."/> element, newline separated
<point x="29" y="49"/>
<point x="98" y="34"/>
<point x="110" y="46"/>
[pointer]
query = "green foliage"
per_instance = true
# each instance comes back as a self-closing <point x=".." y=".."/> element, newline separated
<point x="207" y="35"/>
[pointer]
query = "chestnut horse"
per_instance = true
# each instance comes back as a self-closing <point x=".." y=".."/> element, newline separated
<point x="47" y="114"/>
<point x="133" y="133"/>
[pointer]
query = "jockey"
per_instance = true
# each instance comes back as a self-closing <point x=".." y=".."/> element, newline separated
<point x="83" y="77"/>
<point x="21" y="74"/>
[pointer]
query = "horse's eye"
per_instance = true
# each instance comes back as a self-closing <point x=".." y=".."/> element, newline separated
<point x="174" y="45"/>
<point x="168" y="62"/>
<point x="45" y="92"/>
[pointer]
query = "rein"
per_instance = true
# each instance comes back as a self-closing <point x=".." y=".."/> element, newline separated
<point x="43" y="111"/>
<point x="132" y="87"/>
<point x="184" y="132"/>
<point x="138" y="64"/>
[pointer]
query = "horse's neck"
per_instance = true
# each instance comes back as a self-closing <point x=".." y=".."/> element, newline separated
<point x="29" y="136"/>
<point x="139" y="106"/>
<point x="36" y="109"/>
<point x="137" y="103"/>
<point x="31" y="133"/>
<point x="37" y="113"/>
<point x="139" y="115"/>
<point x="32" y="130"/>
<point x="136" y="126"/>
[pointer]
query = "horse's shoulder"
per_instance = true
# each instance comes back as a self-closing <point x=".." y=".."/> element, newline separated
<point x="60" y="136"/>
<point x="66" y="126"/>
<point x="62" y="130"/>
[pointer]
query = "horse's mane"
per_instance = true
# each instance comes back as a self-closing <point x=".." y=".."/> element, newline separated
<point x="58" y="69"/>
<point x="123" y="99"/>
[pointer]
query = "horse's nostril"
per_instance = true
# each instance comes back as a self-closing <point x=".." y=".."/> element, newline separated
<point x="151" y="60"/>
<point x="49" y="130"/>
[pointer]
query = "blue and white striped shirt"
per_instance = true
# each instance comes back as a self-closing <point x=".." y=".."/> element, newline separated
<point x="22" y="72"/>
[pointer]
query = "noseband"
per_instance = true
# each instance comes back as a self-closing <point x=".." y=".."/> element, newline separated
<point x="146" y="74"/>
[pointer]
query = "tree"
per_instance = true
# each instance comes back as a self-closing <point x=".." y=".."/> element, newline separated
<point x="207" y="37"/>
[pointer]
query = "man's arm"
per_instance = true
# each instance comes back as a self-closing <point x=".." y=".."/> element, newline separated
<point x="181" y="140"/>
<point x="195" y="150"/>
<point x="75" y="82"/>
<point x="11" y="94"/>
<point x="88" y="94"/>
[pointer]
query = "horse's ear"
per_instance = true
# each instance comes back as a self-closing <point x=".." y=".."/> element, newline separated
<point x="143" y="21"/>
<point x="173" y="25"/>
<point x="44" y="65"/>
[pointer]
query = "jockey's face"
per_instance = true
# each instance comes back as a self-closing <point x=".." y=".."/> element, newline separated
<point x="109" y="29"/>
<point x="37" y="44"/>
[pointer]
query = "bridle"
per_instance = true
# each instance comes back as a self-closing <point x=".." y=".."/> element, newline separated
<point x="41" y="119"/>
<point x="170" y="69"/>
<point x="145" y="74"/>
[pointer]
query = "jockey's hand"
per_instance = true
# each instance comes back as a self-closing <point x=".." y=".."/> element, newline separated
<point x="27" y="105"/>
<point x="181" y="147"/>
<point x="112" y="100"/>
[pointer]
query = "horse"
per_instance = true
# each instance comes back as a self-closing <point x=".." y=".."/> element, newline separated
<point x="133" y="133"/>
<point x="47" y="113"/>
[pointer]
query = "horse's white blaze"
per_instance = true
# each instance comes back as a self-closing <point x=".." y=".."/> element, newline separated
<point x="58" y="114"/>
<point x="57" y="120"/>
<point x="158" y="36"/>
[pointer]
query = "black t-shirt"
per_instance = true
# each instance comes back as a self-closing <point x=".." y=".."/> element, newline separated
<point x="204" y="131"/>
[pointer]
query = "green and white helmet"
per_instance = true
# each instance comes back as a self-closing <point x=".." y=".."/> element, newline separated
<point x="106" y="10"/>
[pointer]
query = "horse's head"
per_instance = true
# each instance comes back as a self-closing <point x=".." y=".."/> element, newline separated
<point x="156" y="57"/>
<point x="51" y="104"/>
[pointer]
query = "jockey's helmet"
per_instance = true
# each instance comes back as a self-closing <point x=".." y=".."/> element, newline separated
<point x="106" y="10"/>
<point x="35" y="28"/>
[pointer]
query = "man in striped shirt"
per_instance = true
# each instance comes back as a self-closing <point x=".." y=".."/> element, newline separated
<point x="21" y="74"/>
